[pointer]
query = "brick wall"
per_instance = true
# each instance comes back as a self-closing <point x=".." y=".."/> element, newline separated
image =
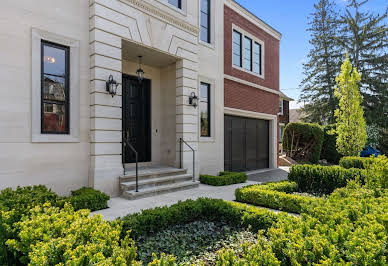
<point x="285" y="118"/>
<point x="271" y="51"/>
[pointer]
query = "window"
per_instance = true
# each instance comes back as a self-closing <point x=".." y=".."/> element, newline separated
<point x="54" y="88"/>
<point x="257" y="58"/>
<point x="205" y="109"/>
<point x="281" y="107"/>
<point x="237" y="51"/>
<point x="176" y="3"/>
<point x="281" y="132"/>
<point x="205" y="21"/>
<point x="248" y="53"/>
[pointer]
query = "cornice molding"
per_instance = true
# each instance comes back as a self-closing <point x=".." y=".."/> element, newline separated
<point x="148" y="8"/>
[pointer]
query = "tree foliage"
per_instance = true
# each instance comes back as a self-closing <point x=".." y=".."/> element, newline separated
<point x="351" y="126"/>
<point x="323" y="64"/>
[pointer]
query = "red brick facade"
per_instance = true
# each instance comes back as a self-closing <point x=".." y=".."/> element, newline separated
<point x="271" y="51"/>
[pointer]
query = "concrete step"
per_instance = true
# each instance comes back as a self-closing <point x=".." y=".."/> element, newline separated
<point x="155" y="182"/>
<point x="151" y="173"/>
<point x="148" y="192"/>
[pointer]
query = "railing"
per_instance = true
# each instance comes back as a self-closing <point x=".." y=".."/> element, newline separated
<point x="181" y="142"/>
<point x="126" y="142"/>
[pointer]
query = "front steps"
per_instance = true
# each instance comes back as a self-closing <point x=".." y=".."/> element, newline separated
<point x="155" y="180"/>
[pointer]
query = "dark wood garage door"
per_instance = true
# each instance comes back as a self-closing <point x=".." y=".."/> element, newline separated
<point x="246" y="143"/>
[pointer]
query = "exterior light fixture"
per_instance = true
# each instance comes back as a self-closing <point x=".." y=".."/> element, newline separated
<point x="193" y="100"/>
<point x="140" y="72"/>
<point x="111" y="86"/>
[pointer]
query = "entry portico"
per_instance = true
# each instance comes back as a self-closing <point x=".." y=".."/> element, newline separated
<point x="120" y="31"/>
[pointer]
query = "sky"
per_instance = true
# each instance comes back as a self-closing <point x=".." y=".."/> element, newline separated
<point x="290" y="17"/>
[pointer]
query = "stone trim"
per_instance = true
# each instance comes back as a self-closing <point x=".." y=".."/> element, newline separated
<point x="251" y="84"/>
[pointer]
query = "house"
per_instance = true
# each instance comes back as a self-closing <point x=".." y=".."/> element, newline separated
<point x="86" y="84"/>
<point x="284" y="115"/>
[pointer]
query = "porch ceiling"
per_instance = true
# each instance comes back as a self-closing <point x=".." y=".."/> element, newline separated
<point x="151" y="57"/>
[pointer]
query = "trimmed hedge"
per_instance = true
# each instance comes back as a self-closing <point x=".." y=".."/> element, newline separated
<point x="88" y="198"/>
<point x="154" y="220"/>
<point x="303" y="141"/>
<point x="355" y="162"/>
<point x="319" y="179"/>
<point x="329" y="148"/>
<point x="275" y="196"/>
<point x="224" y="179"/>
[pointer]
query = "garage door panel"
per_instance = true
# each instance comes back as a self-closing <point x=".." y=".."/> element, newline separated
<point x="246" y="144"/>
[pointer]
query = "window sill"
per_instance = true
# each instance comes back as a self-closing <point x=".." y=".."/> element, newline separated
<point x="247" y="71"/>
<point x="208" y="45"/>
<point x="47" y="138"/>
<point x="206" y="139"/>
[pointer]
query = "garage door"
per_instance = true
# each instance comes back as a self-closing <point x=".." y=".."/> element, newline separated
<point x="246" y="143"/>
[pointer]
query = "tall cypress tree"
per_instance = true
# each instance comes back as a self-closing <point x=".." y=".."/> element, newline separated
<point x="364" y="37"/>
<point x="323" y="65"/>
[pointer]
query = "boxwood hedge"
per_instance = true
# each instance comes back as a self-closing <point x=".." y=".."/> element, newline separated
<point x="355" y="162"/>
<point x="224" y="179"/>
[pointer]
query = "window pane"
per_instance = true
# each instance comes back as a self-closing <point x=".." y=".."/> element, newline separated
<point x="236" y="48"/>
<point x="257" y="58"/>
<point x="54" y="60"/>
<point x="54" y="88"/>
<point x="54" y="118"/>
<point x="248" y="54"/>
<point x="205" y="109"/>
<point x="204" y="20"/>
<point x="204" y="6"/>
<point x="204" y="35"/>
<point x="176" y="3"/>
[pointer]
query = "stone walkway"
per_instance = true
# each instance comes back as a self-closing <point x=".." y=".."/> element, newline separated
<point x="119" y="207"/>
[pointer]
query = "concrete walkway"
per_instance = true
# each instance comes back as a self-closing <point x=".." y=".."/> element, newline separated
<point x="119" y="207"/>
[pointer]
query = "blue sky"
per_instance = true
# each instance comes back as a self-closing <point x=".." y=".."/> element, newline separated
<point x="290" y="18"/>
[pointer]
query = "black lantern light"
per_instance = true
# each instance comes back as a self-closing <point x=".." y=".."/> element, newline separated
<point x="193" y="100"/>
<point x="140" y="72"/>
<point x="111" y="86"/>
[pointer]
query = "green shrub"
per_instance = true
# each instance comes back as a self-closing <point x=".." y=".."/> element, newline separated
<point x="224" y="179"/>
<point x="52" y="236"/>
<point x="275" y="196"/>
<point x="355" y="162"/>
<point x="88" y="198"/>
<point x="303" y="141"/>
<point x="377" y="173"/>
<point x="152" y="221"/>
<point x="14" y="205"/>
<point x="329" y="148"/>
<point x="319" y="179"/>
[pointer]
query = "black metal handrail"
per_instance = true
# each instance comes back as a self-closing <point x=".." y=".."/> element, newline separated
<point x="126" y="142"/>
<point x="181" y="142"/>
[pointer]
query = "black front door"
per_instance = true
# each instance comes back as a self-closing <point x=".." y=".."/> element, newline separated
<point x="246" y="143"/>
<point x="136" y="119"/>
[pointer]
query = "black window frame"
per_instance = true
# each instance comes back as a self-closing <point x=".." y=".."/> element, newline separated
<point x="179" y="4"/>
<point x="250" y="54"/>
<point x="208" y="108"/>
<point x="66" y="102"/>
<point x="208" y="26"/>
<point x="259" y="58"/>
<point x="241" y="48"/>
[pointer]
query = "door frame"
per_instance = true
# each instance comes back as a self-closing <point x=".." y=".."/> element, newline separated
<point x="149" y="139"/>
<point x="273" y="130"/>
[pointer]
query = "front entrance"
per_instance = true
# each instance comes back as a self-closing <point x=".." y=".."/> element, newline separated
<point x="136" y="118"/>
<point x="246" y="143"/>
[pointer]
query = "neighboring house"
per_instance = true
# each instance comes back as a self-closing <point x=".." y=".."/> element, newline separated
<point x="61" y="128"/>
<point x="296" y="115"/>
<point x="284" y="115"/>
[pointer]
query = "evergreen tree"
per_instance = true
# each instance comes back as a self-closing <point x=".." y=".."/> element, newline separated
<point x="323" y="65"/>
<point x="364" y="36"/>
<point x="351" y="126"/>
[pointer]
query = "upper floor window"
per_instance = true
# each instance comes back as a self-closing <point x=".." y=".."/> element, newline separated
<point x="176" y="3"/>
<point x="248" y="53"/>
<point x="54" y="88"/>
<point x="205" y="21"/>
<point x="281" y="107"/>
<point x="257" y="58"/>
<point x="205" y="109"/>
<point x="237" y="51"/>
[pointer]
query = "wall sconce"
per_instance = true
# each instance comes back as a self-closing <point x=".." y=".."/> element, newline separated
<point x="111" y="86"/>
<point x="140" y="72"/>
<point x="193" y="100"/>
